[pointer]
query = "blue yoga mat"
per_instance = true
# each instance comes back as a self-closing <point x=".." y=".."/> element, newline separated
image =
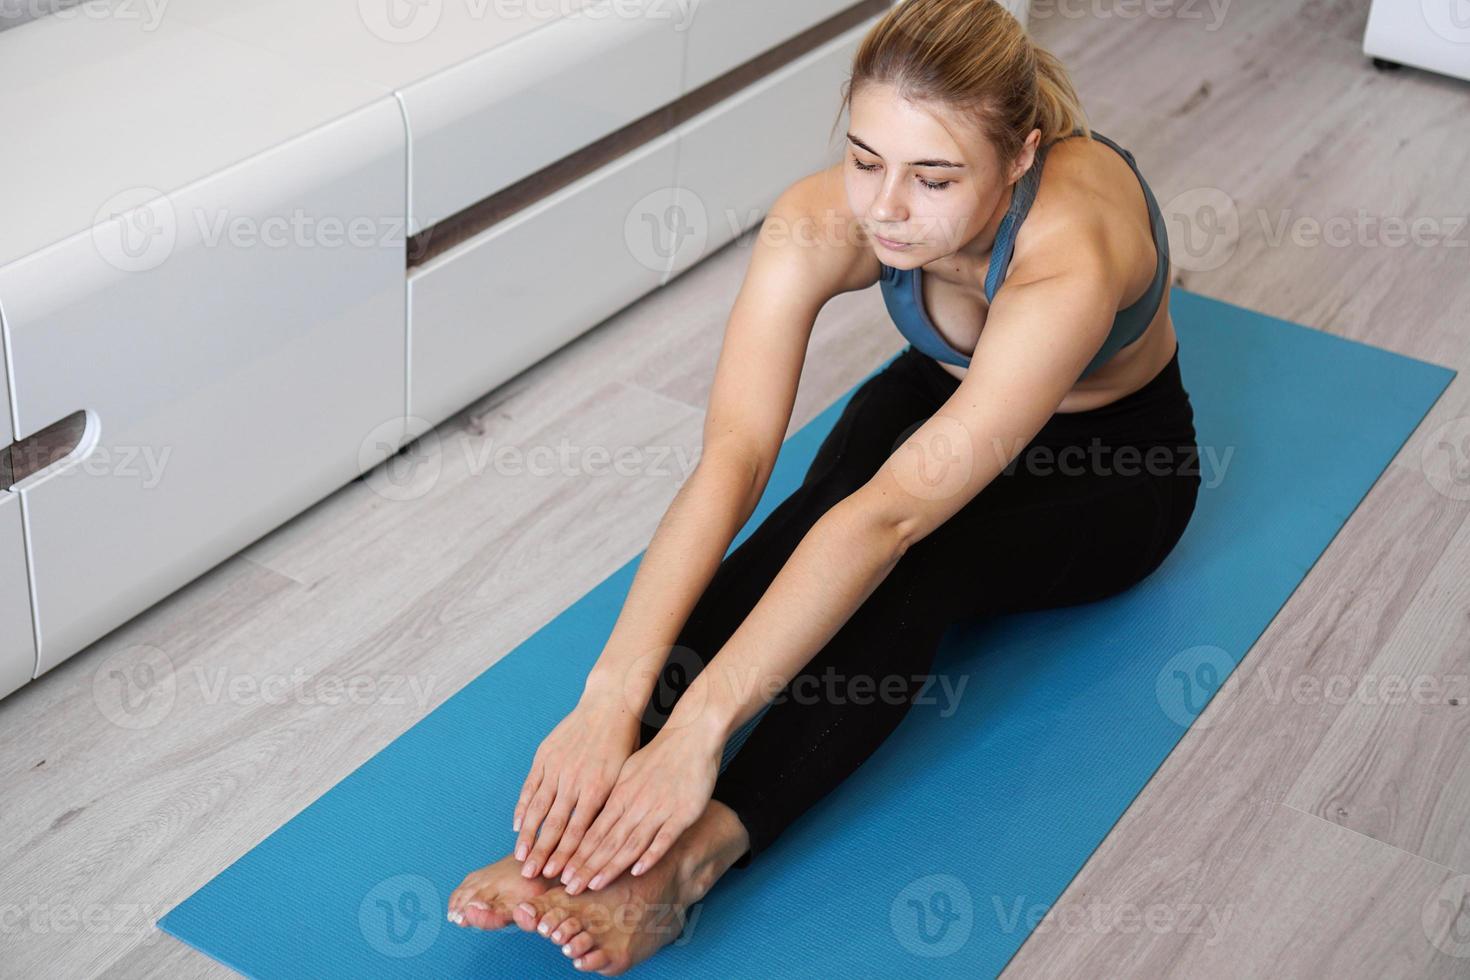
<point x="940" y="854"/>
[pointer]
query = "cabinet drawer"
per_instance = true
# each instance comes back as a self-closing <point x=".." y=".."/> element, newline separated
<point x="481" y="126"/>
<point x="737" y="157"/>
<point x="725" y="33"/>
<point x="237" y="352"/>
<point x="490" y="307"/>
<point x="17" y="649"/>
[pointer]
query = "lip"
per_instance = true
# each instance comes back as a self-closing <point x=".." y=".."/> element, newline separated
<point x="891" y="244"/>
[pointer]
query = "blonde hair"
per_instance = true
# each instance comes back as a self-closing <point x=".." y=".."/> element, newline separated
<point x="975" y="57"/>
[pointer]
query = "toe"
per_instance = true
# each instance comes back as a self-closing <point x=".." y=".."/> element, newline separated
<point x="569" y="928"/>
<point x="579" y="945"/>
<point x="550" y="921"/>
<point x="594" y="961"/>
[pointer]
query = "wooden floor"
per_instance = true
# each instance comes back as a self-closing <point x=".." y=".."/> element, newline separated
<point x="1297" y="831"/>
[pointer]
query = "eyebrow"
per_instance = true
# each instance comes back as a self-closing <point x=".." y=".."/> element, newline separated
<point x="912" y="163"/>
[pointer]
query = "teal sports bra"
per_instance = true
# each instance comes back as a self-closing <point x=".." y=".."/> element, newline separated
<point x="903" y="292"/>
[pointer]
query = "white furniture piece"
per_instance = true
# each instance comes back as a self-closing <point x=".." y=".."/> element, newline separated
<point x="1432" y="34"/>
<point x="205" y="257"/>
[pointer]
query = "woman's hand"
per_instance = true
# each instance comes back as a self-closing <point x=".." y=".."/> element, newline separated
<point x="571" y="775"/>
<point x="662" y="789"/>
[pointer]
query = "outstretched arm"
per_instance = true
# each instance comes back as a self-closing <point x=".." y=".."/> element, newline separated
<point x="1039" y="336"/>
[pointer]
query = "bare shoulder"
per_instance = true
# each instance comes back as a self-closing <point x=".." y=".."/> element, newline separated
<point x="1089" y="211"/>
<point x="812" y="219"/>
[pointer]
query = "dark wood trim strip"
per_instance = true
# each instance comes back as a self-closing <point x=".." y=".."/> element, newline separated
<point x="464" y="225"/>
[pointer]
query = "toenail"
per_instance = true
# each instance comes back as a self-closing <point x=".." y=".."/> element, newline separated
<point x="567" y="949"/>
<point x="477" y="904"/>
<point x="527" y="908"/>
<point x="543" y="927"/>
<point x="456" y="918"/>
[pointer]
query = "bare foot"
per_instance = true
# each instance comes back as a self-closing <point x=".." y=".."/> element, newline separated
<point x="486" y="897"/>
<point x="629" y="919"/>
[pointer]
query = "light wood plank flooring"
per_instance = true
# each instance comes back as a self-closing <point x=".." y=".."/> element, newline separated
<point x="1312" y="824"/>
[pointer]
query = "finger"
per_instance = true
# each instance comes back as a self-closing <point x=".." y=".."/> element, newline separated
<point x="550" y="836"/>
<point x="589" y="804"/>
<point x="636" y="844"/>
<point x="528" y="789"/>
<point x="609" y="846"/>
<point x="596" y="834"/>
<point x="540" y="803"/>
<point x="660" y="845"/>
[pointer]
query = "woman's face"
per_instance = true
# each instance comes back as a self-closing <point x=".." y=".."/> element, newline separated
<point x="917" y="192"/>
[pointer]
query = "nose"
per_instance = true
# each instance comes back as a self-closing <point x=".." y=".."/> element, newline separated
<point x="889" y="206"/>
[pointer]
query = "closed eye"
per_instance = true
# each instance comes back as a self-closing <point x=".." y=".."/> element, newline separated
<point x="933" y="185"/>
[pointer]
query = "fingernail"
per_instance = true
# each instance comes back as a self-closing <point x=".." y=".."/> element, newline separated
<point x="516" y="825"/>
<point x="595" y="882"/>
<point x="520" y="851"/>
<point x="638" y="868"/>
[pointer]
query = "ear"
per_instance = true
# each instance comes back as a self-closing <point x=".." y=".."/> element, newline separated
<point x="1027" y="155"/>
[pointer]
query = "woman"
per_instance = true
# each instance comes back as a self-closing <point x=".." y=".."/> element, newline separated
<point x="1033" y="447"/>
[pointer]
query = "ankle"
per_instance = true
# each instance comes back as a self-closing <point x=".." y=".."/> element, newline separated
<point x="716" y="841"/>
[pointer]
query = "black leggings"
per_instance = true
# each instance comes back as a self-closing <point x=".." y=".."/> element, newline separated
<point x="1054" y="529"/>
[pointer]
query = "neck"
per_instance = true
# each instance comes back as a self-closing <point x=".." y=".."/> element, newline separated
<point x="979" y="247"/>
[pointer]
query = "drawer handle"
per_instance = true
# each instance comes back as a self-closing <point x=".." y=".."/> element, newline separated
<point x="36" y="453"/>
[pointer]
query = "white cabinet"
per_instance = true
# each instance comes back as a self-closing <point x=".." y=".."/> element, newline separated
<point x="727" y="33"/>
<point x="482" y="125"/>
<point x="781" y="127"/>
<point x="17" y="649"/>
<point x="486" y="309"/>
<point x="238" y="348"/>
<point x="1432" y="34"/>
